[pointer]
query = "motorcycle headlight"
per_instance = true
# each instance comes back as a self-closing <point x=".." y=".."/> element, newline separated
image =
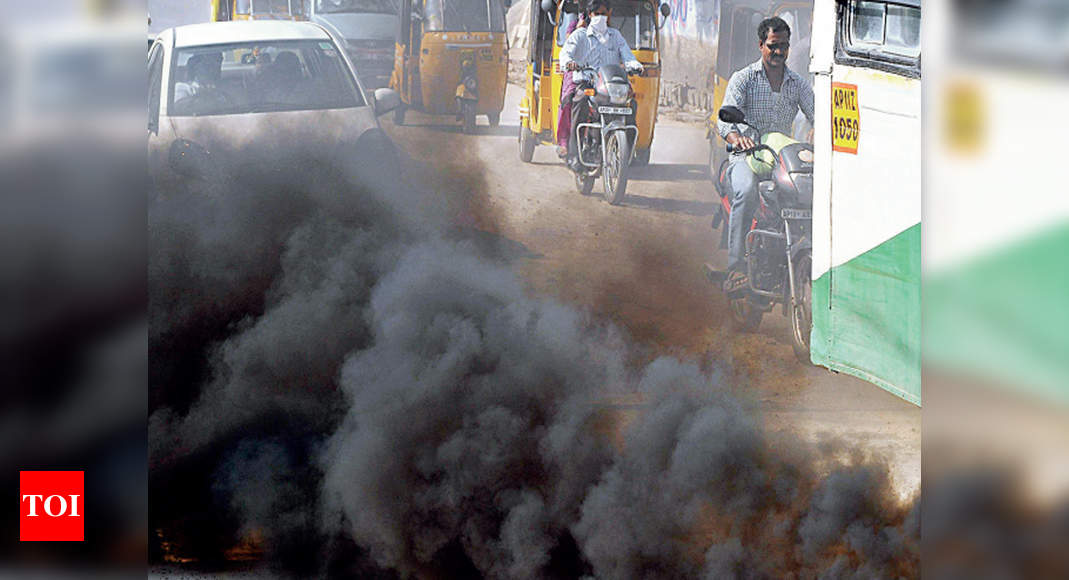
<point x="617" y="93"/>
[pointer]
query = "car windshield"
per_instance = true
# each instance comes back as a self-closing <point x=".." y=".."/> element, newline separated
<point x="355" y="6"/>
<point x="465" y="16"/>
<point x="291" y="75"/>
<point x="636" y="23"/>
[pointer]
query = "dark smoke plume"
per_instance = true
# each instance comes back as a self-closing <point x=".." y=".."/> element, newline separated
<point x="360" y="386"/>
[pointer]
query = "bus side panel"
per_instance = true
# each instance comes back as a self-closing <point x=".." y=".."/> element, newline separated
<point x="867" y="305"/>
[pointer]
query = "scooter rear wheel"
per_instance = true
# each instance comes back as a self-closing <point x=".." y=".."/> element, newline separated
<point x="584" y="183"/>
<point x="802" y="312"/>
<point x="745" y="316"/>
<point x="467" y="113"/>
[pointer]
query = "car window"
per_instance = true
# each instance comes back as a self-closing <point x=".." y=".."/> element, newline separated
<point x="238" y="78"/>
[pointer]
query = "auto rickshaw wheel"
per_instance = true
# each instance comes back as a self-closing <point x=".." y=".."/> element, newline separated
<point x="527" y="144"/>
<point x="642" y="157"/>
<point x="399" y="115"/>
<point x="494" y="118"/>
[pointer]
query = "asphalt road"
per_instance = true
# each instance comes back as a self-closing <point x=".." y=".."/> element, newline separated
<point x="639" y="265"/>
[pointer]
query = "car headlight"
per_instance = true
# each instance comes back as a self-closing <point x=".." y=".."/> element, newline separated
<point x="617" y="93"/>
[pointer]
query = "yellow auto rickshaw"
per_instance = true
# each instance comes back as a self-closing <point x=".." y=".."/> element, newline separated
<point x="451" y="59"/>
<point x="640" y="25"/>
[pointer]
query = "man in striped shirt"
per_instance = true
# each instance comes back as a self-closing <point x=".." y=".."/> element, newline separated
<point x="770" y="95"/>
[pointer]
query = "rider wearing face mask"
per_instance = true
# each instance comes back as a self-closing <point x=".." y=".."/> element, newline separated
<point x="596" y="45"/>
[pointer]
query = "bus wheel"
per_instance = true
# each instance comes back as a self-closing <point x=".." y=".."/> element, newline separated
<point x="802" y="312"/>
<point x="527" y="144"/>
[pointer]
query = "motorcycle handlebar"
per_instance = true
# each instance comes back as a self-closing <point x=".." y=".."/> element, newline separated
<point x="750" y="151"/>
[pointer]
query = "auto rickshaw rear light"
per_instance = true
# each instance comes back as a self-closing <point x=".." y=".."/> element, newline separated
<point x="588" y="92"/>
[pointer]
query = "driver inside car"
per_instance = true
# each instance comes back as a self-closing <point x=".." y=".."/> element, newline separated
<point x="594" y="46"/>
<point x="203" y="72"/>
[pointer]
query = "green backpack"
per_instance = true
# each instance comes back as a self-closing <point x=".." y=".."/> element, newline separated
<point x="763" y="162"/>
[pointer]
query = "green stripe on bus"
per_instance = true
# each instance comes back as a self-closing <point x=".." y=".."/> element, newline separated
<point x="1005" y="315"/>
<point x="867" y="316"/>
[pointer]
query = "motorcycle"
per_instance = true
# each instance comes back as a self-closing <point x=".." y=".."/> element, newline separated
<point x="606" y="130"/>
<point x="778" y="251"/>
<point x="467" y="93"/>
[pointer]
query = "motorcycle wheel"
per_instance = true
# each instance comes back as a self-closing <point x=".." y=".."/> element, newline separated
<point x="468" y="113"/>
<point x="584" y="183"/>
<point x="494" y="118"/>
<point x="802" y="312"/>
<point x="399" y="116"/>
<point x="617" y="161"/>
<point x="527" y="144"/>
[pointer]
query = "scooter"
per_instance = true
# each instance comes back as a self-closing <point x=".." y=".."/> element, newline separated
<point x="467" y="93"/>
<point x="606" y="130"/>
<point x="779" y="251"/>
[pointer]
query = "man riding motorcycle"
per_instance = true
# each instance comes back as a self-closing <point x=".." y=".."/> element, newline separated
<point x="770" y="95"/>
<point x="594" y="46"/>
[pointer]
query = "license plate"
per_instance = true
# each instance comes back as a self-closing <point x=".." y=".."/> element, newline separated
<point x="796" y="214"/>
<point x="615" y="110"/>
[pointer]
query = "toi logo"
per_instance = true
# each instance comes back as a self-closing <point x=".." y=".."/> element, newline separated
<point x="51" y="506"/>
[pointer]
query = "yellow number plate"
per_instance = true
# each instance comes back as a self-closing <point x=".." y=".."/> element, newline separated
<point x="845" y="118"/>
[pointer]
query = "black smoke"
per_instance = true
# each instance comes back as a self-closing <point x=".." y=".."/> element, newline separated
<point x="353" y="384"/>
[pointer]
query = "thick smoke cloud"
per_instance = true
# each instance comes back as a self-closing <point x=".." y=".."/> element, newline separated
<point x="349" y="381"/>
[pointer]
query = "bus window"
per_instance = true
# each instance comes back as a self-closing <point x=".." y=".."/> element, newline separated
<point x="888" y="34"/>
<point x="243" y="7"/>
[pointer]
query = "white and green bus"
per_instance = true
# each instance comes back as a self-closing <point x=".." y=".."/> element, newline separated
<point x="865" y="58"/>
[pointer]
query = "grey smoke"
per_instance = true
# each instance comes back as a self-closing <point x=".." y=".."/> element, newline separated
<point x="369" y="374"/>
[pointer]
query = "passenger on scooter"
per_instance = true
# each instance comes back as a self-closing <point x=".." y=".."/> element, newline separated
<point x="594" y="46"/>
<point x="567" y="92"/>
<point x="770" y="95"/>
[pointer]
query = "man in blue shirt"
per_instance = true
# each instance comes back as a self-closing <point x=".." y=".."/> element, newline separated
<point x="770" y="95"/>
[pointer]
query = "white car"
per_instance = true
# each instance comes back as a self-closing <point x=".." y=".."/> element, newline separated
<point x="218" y="91"/>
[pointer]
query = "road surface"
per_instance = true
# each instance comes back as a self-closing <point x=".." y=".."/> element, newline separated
<point x="639" y="265"/>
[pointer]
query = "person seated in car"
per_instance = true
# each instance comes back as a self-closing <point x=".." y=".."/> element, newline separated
<point x="203" y="72"/>
<point x="285" y="80"/>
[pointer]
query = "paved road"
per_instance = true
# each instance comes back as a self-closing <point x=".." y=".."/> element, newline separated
<point x="639" y="264"/>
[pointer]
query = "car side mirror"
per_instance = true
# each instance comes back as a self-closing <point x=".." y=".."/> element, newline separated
<point x="730" y="114"/>
<point x="666" y="10"/>
<point x="549" y="7"/>
<point x="386" y="100"/>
